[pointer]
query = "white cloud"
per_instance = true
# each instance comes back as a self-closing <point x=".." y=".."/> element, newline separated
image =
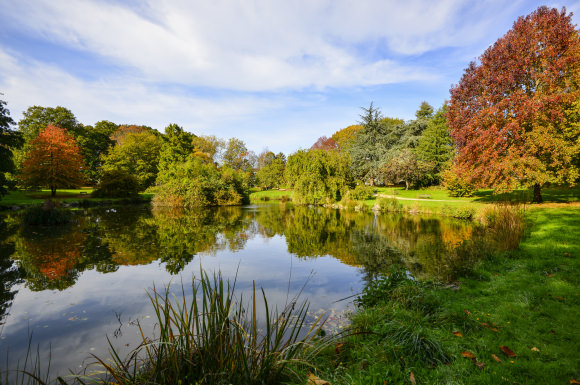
<point x="260" y="45"/>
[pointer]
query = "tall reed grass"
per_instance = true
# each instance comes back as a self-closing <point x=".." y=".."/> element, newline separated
<point x="215" y="339"/>
<point x="505" y="223"/>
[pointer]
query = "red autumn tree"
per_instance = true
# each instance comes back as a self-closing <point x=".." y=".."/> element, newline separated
<point x="54" y="160"/>
<point x="324" y="143"/>
<point x="514" y="116"/>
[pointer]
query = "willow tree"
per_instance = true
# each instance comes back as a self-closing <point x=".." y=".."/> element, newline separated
<point x="514" y="115"/>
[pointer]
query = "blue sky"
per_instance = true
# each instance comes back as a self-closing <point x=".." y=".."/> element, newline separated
<point x="276" y="74"/>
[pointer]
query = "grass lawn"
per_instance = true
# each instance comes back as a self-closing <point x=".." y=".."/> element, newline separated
<point x="527" y="300"/>
<point x="270" y="195"/>
<point x="22" y="197"/>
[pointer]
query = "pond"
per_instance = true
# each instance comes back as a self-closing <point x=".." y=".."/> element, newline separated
<point x="67" y="289"/>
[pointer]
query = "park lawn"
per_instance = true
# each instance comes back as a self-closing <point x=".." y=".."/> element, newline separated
<point x="271" y="195"/>
<point x="24" y="198"/>
<point x="527" y="300"/>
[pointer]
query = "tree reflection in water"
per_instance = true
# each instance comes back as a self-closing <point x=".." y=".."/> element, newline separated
<point x="104" y="239"/>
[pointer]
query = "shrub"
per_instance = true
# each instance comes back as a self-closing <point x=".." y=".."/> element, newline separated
<point x="50" y="213"/>
<point x="389" y="204"/>
<point x="117" y="184"/>
<point x="505" y="223"/>
<point x="361" y="193"/>
<point x="456" y="185"/>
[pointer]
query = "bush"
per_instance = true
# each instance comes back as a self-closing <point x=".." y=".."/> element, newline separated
<point x="389" y="204"/>
<point x="117" y="184"/>
<point x="48" y="214"/>
<point x="195" y="183"/>
<point x="456" y="185"/>
<point x="458" y="212"/>
<point x="505" y="223"/>
<point x="361" y="193"/>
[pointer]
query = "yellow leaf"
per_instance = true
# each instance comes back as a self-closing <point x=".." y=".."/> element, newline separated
<point x="467" y="354"/>
<point x="412" y="379"/>
<point x="313" y="380"/>
<point x="535" y="349"/>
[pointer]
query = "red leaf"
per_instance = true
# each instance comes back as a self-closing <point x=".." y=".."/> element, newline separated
<point x="458" y="334"/>
<point x="468" y="354"/>
<point x="496" y="358"/>
<point x="508" y="351"/>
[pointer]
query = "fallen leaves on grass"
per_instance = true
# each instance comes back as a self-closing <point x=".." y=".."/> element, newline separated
<point x="535" y="349"/>
<point x="412" y="379"/>
<point x="573" y="381"/>
<point x="457" y="334"/>
<point x="468" y="354"/>
<point x="467" y="312"/>
<point x="480" y="365"/>
<point x="339" y="348"/>
<point x="313" y="380"/>
<point x="496" y="358"/>
<point x="508" y="351"/>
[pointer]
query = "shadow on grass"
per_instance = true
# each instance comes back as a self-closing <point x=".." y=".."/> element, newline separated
<point x="552" y="194"/>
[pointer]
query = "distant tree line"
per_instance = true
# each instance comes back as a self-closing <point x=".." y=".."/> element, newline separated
<point x="512" y="121"/>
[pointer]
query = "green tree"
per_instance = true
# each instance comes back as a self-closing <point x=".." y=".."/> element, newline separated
<point x="435" y="145"/>
<point x="318" y="176"/>
<point x="405" y="167"/>
<point x="236" y="155"/>
<point x="138" y="154"/>
<point x="372" y="144"/>
<point x="95" y="142"/>
<point x="196" y="183"/>
<point x="271" y="167"/>
<point x="9" y="140"/>
<point x="177" y="146"/>
<point x="208" y="148"/>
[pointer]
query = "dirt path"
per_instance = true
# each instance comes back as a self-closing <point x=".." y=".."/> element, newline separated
<point x="419" y="199"/>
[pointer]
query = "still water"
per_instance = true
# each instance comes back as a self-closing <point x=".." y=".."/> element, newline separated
<point x="67" y="289"/>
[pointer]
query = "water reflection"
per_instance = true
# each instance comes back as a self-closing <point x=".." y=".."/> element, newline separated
<point x="69" y="284"/>
<point x="104" y="239"/>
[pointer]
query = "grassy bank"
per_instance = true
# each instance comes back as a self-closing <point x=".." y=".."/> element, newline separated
<point x="271" y="195"/>
<point x="527" y="300"/>
<point x="26" y="198"/>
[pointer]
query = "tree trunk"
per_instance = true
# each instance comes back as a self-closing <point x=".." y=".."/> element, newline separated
<point x="406" y="185"/>
<point x="52" y="191"/>
<point x="537" y="194"/>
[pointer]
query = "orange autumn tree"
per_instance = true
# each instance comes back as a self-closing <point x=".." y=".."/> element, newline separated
<point x="54" y="161"/>
<point x="513" y="116"/>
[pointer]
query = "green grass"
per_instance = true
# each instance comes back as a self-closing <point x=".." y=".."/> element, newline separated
<point x="523" y="299"/>
<point x="271" y="195"/>
<point x="25" y="198"/>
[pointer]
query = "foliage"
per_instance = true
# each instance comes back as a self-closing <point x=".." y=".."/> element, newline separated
<point x="208" y="148"/>
<point x="405" y="167"/>
<point x="509" y="114"/>
<point x="324" y="143"/>
<point x="177" y="146"/>
<point x="195" y="183"/>
<point x="9" y="140"/>
<point x="435" y="145"/>
<point x="117" y="184"/>
<point x="95" y="143"/>
<point x="345" y="137"/>
<point x="236" y="155"/>
<point x="318" y="176"/>
<point x="54" y="160"/>
<point x="389" y="204"/>
<point x="361" y="193"/>
<point x="271" y="167"/>
<point x="136" y="154"/>
<point x="36" y="118"/>
<point x="457" y="185"/>
<point x="215" y="339"/>
<point x="47" y="214"/>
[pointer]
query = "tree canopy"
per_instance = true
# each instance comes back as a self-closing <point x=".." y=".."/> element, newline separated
<point x="513" y="116"/>
<point x="54" y="161"/>
<point x="9" y="140"/>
